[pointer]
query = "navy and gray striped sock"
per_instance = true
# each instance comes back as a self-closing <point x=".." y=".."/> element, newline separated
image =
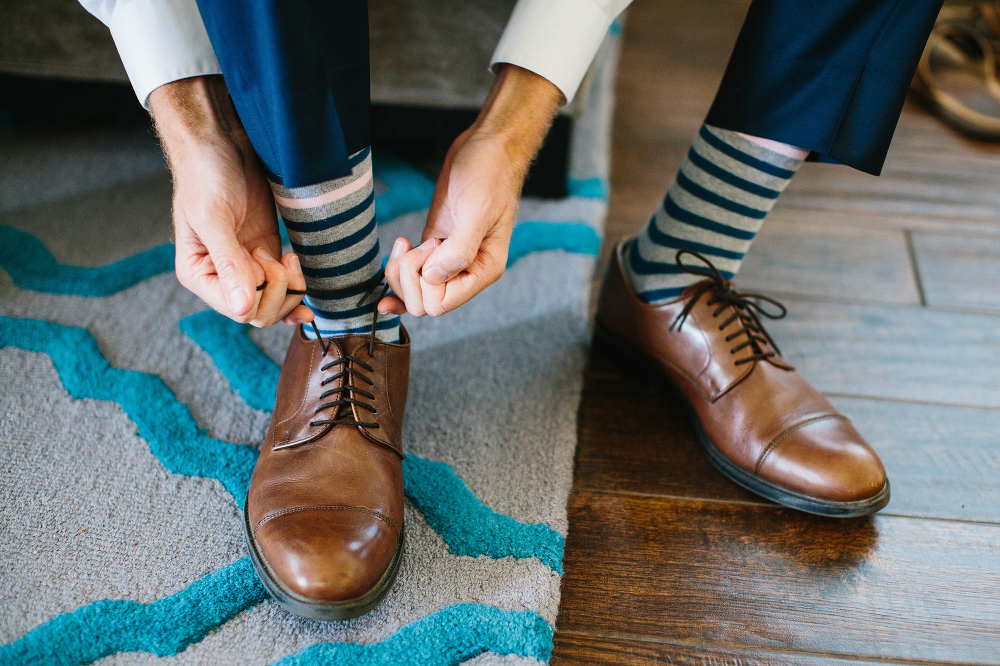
<point x="724" y="189"/>
<point x="332" y="229"/>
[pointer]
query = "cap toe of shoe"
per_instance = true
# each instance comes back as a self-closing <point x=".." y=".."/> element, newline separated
<point x="826" y="459"/>
<point x="327" y="554"/>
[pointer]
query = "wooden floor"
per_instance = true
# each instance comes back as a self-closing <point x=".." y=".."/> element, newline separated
<point x="893" y="287"/>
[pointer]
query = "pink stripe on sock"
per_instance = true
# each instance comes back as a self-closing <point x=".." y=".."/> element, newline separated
<point x="326" y="197"/>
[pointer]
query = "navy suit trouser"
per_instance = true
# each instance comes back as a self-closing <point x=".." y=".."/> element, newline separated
<point x="829" y="76"/>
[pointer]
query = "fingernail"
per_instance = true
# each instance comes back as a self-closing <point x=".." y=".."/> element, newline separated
<point x="426" y="245"/>
<point x="239" y="299"/>
<point x="397" y="249"/>
<point x="295" y="262"/>
<point x="434" y="275"/>
<point x="263" y="254"/>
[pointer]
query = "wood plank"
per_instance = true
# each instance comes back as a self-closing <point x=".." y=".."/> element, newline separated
<point x="737" y="580"/>
<point x="787" y="210"/>
<point x="762" y="577"/>
<point x="893" y="352"/>
<point x="942" y="461"/>
<point x="585" y="650"/>
<point x="959" y="270"/>
<point x="803" y="258"/>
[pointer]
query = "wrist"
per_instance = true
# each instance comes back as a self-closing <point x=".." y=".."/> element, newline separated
<point x="193" y="114"/>
<point x="518" y="112"/>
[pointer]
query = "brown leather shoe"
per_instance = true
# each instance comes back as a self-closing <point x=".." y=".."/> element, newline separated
<point x="761" y="424"/>
<point x="324" y="514"/>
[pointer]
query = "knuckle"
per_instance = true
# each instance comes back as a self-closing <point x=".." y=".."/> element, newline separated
<point x="467" y="253"/>
<point x="408" y="263"/>
<point x="225" y="268"/>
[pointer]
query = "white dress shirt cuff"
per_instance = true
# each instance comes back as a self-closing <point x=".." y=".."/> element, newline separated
<point x="160" y="41"/>
<point x="556" y="39"/>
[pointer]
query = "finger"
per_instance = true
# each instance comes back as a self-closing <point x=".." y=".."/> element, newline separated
<point x="391" y="305"/>
<point x="296" y="284"/>
<point x="195" y="270"/>
<point x="296" y="280"/>
<point x="300" y="314"/>
<point x="454" y="255"/>
<point x="399" y="248"/>
<point x="484" y="271"/>
<point x="410" y="265"/>
<point x="238" y="273"/>
<point x="433" y="296"/>
<point x="269" y="310"/>
<point x="207" y="286"/>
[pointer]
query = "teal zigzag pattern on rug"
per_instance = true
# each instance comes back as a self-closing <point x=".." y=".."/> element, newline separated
<point x="33" y="267"/>
<point x="169" y="625"/>
<point x="163" y="421"/>
<point x="450" y="508"/>
<point x="588" y="188"/>
<point x="538" y="236"/>
<point x="468" y="526"/>
<point x="165" y="627"/>
<point x="249" y="371"/>
<point x="445" y="638"/>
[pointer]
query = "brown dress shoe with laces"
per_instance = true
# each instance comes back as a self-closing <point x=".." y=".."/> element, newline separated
<point x="324" y="514"/>
<point x="761" y="424"/>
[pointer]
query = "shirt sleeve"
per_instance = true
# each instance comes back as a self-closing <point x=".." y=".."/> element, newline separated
<point x="557" y="39"/>
<point x="159" y="41"/>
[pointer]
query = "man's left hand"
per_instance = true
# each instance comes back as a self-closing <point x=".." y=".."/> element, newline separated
<point x="465" y="242"/>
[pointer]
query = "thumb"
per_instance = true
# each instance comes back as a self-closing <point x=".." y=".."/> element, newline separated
<point x="238" y="273"/>
<point x="452" y="256"/>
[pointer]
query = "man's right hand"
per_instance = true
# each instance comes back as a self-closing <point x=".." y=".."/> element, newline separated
<point x="225" y="224"/>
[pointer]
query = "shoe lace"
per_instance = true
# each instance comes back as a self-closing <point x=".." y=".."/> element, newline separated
<point x="346" y="366"/>
<point x="747" y="309"/>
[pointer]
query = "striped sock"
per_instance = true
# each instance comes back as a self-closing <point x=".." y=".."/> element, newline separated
<point x="725" y="188"/>
<point x="332" y="229"/>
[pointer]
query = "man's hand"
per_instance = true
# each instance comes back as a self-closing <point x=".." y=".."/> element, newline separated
<point x="225" y="224"/>
<point x="469" y="225"/>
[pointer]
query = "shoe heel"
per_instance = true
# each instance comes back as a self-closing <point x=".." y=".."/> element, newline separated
<point x="639" y="367"/>
<point x="630" y="362"/>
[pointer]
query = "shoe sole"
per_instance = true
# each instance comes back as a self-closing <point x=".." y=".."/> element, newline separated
<point x="322" y="610"/>
<point x="645" y="367"/>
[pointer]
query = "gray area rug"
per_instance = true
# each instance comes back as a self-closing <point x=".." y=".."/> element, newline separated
<point x="129" y="417"/>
